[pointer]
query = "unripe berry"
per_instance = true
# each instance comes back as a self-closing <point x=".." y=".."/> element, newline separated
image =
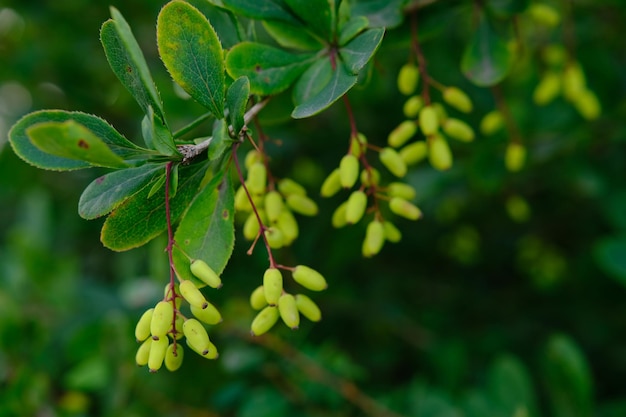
<point x="302" y="204"/>
<point x="588" y="105"/>
<point x="264" y="320"/>
<point x="332" y="184"/>
<point x="208" y="352"/>
<point x="287" y="186"/>
<point x="393" y="162"/>
<point x="178" y="327"/>
<point x="515" y="156"/>
<point x="205" y="273"/>
<point x="348" y="170"/>
<point x="374" y="238"/>
<point x="442" y="115"/>
<point x="168" y="293"/>
<point x="457" y="99"/>
<point x="370" y="177"/>
<point x="251" y="227"/>
<point x="491" y="123"/>
<point x="517" y="208"/>
<point x="554" y="54"/>
<point x="197" y="337"/>
<point x="408" y="77"/>
<point x="413" y="106"/>
<point x="403" y="208"/>
<point x="339" y="215"/>
<point x="252" y="157"/>
<point x="357" y="145"/>
<point x="162" y="319"/>
<point x="242" y="203"/>
<point x="414" y="152"/>
<point x="544" y="14"/>
<point x="308" y="308"/>
<point x="257" y="298"/>
<point x="273" y="205"/>
<point x="458" y="129"/>
<point x="173" y="361"/>
<point x="428" y="120"/>
<point x="142" y="329"/>
<point x="288" y="311"/>
<point x="192" y="294"/>
<point x="257" y="178"/>
<point x="548" y="88"/>
<point x="157" y="354"/>
<point x="274" y="237"/>
<point x="392" y="233"/>
<point x="573" y="81"/>
<point x="402" y="133"/>
<point x="208" y="315"/>
<point x="356" y="205"/>
<point x="439" y="153"/>
<point x="288" y="225"/>
<point x="309" y="278"/>
<point x="143" y="353"/>
<point x="401" y="189"/>
<point x="272" y="285"/>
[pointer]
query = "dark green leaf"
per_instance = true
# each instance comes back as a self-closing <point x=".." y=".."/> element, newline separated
<point x="157" y="134"/>
<point x="157" y="185"/>
<point x="507" y="8"/>
<point x="226" y="25"/>
<point x="486" y="60"/>
<point x="72" y="140"/>
<point x="610" y="254"/>
<point x="352" y="28"/>
<point x="261" y="9"/>
<point x="108" y="191"/>
<point x="510" y="386"/>
<point x="128" y="63"/>
<point x="206" y="230"/>
<point x="290" y="35"/>
<point x="319" y="87"/>
<point x="139" y="219"/>
<point x="359" y="51"/>
<point x="25" y="149"/>
<point x="237" y="101"/>
<point x="319" y="15"/>
<point x="220" y="140"/>
<point x="192" y="53"/>
<point x="380" y="13"/>
<point x="270" y="70"/>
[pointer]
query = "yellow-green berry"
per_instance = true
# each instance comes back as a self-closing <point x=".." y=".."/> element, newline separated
<point x="348" y="170"/>
<point x="143" y="353"/>
<point x="288" y="311"/>
<point x="257" y="178"/>
<point x="309" y="278"/>
<point x="428" y="120"/>
<point x="332" y="184"/>
<point x="404" y="208"/>
<point x="458" y="129"/>
<point x="272" y="285"/>
<point x="257" y="298"/>
<point x="548" y="88"/>
<point x="308" y="308"/>
<point x="287" y="186"/>
<point x="192" y="294"/>
<point x="439" y="153"/>
<point x="157" y="353"/>
<point x="374" y="238"/>
<point x="142" y="329"/>
<point x="302" y="204"/>
<point x="273" y="205"/>
<point x="173" y="360"/>
<point x="402" y="133"/>
<point x="208" y="315"/>
<point x="392" y="233"/>
<point x="393" y="162"/>
<point x="264" y="320"/>
<point x="205" y="273"/>
<point x="401" y="189"/>
<point x="457" y="99"/>
<point x="356" y="205"/>
<point x="339" y="215"/>
<point x="162" y="319"/>
<point x="491" y="123"/>
<point x="408" y="77"/>
<point x="413" y="153"/>
<point x="515" y="156"/>
<point x="412" y="106"/>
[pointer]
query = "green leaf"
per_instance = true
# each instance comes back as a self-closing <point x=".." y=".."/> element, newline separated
<point x="291" y="35"/>
<point x="192" y="53"/>
<point x="380" y="13"/>
<point x="353" y="27"/>
<point x="72" y="140"/>
<point x="319" y="15"/>
<point x="359" y="51"/>
<point x="108" y="191"/>
<point x="157" y="134"/>
<point x="269" y="69"/>
<point x="228" y="29"/>
<point x="610" y="254"/>
<point x="486" y="60"/>
<point x="25" y="149"/>
<point x="128" y="63"/>
<point x="507" y="8"/>
<point x="319" y="87"/>
<point x="237" y="101"/>
<point x="139" y="219"/>
<point x="206" y="230"/>
<point x="568" y="378"/>
<point x="220" y="140"/>
<point x="260" y="9"/>
<point x="510" y="386"/>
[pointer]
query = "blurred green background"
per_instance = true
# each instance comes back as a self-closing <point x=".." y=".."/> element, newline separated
<point x="475" y="313"/>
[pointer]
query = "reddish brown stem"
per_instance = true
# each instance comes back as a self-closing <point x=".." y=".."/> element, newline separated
<point x="170" y="248"/>
<point x="421" y="61"/>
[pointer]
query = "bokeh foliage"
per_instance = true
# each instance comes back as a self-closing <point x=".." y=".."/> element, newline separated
<point x="472" y="314"/>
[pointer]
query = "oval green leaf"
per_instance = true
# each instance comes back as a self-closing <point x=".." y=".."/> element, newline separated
<point x="291" y="36"/>
<point x="319" y="15"/>
<point x="260" y="9"/>
<point x="360" y="50"/>
<point x="352" y="27"/>
<point x="192" y="53"/>
<point x="237" y="101"/>
<point x="610" y="254"/>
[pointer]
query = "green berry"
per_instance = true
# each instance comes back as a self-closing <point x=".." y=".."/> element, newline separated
<point x="515" y="156"/>
<point x="356" y="205"/>
<point x="588" y="105"/>
<point x="273" y="205"/>
<point x="162" y="319"/>
<point x="401" y="189"/>
<point x="491" y="123"/>
<point x="142" y="329"/>
<point x="197" y="337"/>
<point x="308" y="308"/>
<point x="414" y="152"/>
<point x="288" y="225"/>
<point x="413" y="106"/>
<point x="257" y="178"/>
<point x="393" y="162"/>
<point x="374" y="238"/>
<point x="252" y="157"/>
<point x="332" y="184"/>
<point x="548" y="88"/>
<point x="457" y="99"/>
<point x="287" y="186"/>
<point x="192" y="294"/>
<point x="257" y="298"/>
<point x="208" y="315"/>
<point x="309" y="278"/>
<point x="428" y="120"/>
<point x="205" y="273"/>
<point x="251" y="227"/>
<point x="274" y="237"/>
<point x="157" y="354"/>
<point x="302" y="204"/>
<point x="143" y="353"/>
<point x="288" y="311"/>
<point x="392" y="233"/>
<point x="544" y="14"/>
<point x="458" y="129"/>
<point x="348" y="170"/>
<point x="173" y="361"/>
<point x="264" y="320"/>
<point x="338" y="219"/>
<point x="408" y="78"/>
<point x="272" y="285"/>
<point x="402" y="133"/>
<point x="370" y="177"/>
<point x="403" y="208"/>
<point x="439" y="153"/>
<point x="573" y="81"/>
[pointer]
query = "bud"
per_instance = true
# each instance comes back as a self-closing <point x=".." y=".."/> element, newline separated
<point x="288" y="311"/>
<point x="544" y="14"/>
<point x="205" y="273"/>
<point x="209" y="314"/>
<point x="251" y="227"/>
<point x="274" y="237"/>
<point x="192" y="294"/>
<point x="308" y="308"/>
<point x="515" y="156"/>
<point x="402" y="133"/>
<point x="309" y="278"/>
<point x="491" y="123"/>
<point x="458" y="129"/>
<point x="162" y="319"/>
<point x="157" y="354"/>
<point x="356" y="205"/>
<point x="143" y="353"/>
<point x="428" y="120"/>
<point x="392" y="233"/>
<point x="288" y="225"/>
<point x="401" y="189"/>
<point x="257" y="178"/>
<point x="370" y="177"/>
<point x="339" y="216"/>
<point x="408" y="77"/>
<point x="439" y="153"/>
<point x="414" y="152"/>
<point x="332" y="184"/>
<point x="142" y="329"/>
<point x="173" y="361"/>
<point x="273" y="205"/>
<point x="573" y="81"/>
<point x="413" y="106"/>
<point x="257" y="298"/>
<point x="457" y="99"/>
<point x="588" y="105"/>
<point x="403" y="208"/>
<point x="548" y="88"/>
<point x="374" y="238"/>
<point x="197" y="337"/>
<point x="264" y="320"/>
<point x="302" y="204"/>
<point x="272" y="285"/>
<point x="287" y="186"/>
<point x="393" y="162"/>
<point x="348" y="170"/>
